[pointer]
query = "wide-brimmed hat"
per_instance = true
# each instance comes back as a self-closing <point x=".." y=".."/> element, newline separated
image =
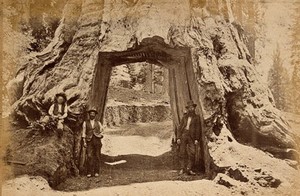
<point x="63" y="95"/>
<point x="190" y="103"/>
<point x="92" y="110"/>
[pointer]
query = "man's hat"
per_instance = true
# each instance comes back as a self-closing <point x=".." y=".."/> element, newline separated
<point x="63" y="95"/>
<point x="92" y="110"/>
<point x="190" y="103"/>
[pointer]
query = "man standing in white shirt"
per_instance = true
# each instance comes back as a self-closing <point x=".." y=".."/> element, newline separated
<point x="92" y="135"/>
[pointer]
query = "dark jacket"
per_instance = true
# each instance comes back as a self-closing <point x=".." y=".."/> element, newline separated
<point x="92" y="131"/>
<point x="55" y="110"/>
<point x="194" y="131"/>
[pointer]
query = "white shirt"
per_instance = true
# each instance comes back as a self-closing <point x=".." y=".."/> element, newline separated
<point x="93" y="125"/>
<point x="51" y="110"/>
<point x="188" y="123"/>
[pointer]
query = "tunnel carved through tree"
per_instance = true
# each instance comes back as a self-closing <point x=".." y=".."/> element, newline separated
<point x="182" y="83"/>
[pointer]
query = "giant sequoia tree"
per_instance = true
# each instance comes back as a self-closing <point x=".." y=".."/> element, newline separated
<point x="204" y="52"/>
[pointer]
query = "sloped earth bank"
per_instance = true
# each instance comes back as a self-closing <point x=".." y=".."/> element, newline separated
<point x="119" y="113"/>
<point x="126" y="105"/>
<point x="246" y="170"/>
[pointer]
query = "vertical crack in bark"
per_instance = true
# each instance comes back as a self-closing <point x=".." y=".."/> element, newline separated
<point x="187" y="77"/>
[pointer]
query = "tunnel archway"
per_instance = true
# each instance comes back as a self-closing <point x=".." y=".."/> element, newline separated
<point x="182" y="83"/>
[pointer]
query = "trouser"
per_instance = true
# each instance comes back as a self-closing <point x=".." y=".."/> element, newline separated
<point x="45" y="119"/>
<point x="187" y="152"/>
<point x="59" y="126"/>
<point x="93" y="155"/>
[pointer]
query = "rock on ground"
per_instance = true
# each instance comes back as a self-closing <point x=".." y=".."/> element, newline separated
<point x="42" y="155"/>
<point x="246" y="168"/>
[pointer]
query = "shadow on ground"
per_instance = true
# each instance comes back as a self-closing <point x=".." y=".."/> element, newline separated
<point x="136" y="169"/>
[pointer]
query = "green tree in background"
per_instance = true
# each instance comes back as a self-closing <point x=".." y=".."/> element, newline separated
<point x="37" y="18"/>
<point x="279" y="81"/>
<point x="295" y="56"/>
<point x="120" y="77"/>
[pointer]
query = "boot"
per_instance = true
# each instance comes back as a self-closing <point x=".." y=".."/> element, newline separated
<point x="181" y="172"/>
<point x="190" y="172"/>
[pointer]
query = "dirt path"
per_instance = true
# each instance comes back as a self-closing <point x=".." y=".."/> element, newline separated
<point x="136" y="169"/>
<point x="150" y="170"/>
<point x="36" y="186"/>
<point x="133" y="154"/>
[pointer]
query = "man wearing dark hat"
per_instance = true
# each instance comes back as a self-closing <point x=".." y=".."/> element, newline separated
<point x="188" y="136"/>
<point x="59" y="111"/>
<point x="92" y="135"/>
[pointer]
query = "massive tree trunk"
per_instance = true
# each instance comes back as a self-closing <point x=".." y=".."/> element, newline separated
<point x="215" y="72"/>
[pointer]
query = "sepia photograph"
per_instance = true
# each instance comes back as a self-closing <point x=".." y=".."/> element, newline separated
<point x="150" y="97"/>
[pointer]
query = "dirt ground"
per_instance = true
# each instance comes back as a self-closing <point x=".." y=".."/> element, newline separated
<point x="138" y="160"/>
<point x="137" y="169"/>
<point x="138" y="174"/>
<point x="133" y="153"/>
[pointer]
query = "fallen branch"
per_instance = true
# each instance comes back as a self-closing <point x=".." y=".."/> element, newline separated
<point x="16" y="162"/>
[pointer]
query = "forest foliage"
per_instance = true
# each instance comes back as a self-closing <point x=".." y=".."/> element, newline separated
<point x="284" y="86"/>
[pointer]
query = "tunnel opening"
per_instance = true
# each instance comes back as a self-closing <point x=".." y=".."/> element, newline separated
<point x="138" y="111"/>
<point x="137" y="93"/>
<point x="182" y="85"/>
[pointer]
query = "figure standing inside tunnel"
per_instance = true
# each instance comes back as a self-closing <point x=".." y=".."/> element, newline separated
<point x="188" y="138"/>
<point x="92" y="135"/>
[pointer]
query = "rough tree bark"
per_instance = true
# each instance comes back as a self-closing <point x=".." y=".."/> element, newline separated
<point x="225" y="79"/>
